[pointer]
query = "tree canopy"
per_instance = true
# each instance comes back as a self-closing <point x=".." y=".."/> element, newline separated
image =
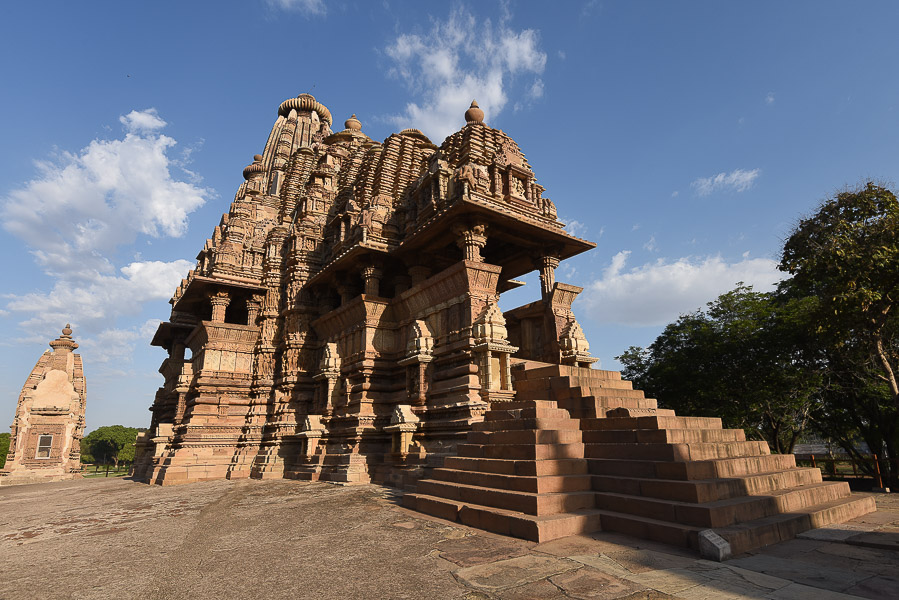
<point x="112" y="443"/>
<point x="847" y="256"/>
<point x="745" y="358"/>
<point x="823" y="350"/>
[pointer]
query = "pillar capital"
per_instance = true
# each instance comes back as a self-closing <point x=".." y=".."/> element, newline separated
<point x="220" y="299"/>
<point x="472" y="238"/>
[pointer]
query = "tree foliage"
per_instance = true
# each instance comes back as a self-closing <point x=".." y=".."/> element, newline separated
<point x="109" y="444"/>
<point x="4" y="448"/>
<point x="846" y="256"/>
<point x="745" y="358"/>
<point x="822" y="350"/>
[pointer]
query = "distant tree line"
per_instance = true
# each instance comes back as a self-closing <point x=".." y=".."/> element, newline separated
<point x="109" y="445"/>
<point x="818" y="354"/>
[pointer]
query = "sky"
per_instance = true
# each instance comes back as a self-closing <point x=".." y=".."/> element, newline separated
<point x="686" y="139"/>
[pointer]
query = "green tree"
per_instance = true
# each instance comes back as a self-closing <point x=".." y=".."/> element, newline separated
<point x="846" y="256"/>
<point x="4" y="448"/>
<point x="112" y="443"/>
<point x="746" y="359"/>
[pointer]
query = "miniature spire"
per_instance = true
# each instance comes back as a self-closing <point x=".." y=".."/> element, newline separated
<point x="474" y="114"/>
<point x="353" y="123"/>
<point x="64" y="342"/>
<point x="253" y="168"/>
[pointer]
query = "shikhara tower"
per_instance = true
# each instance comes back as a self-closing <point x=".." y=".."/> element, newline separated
<point x="342" y="324"/>
<point x="45" y="444"/>
<point x="342" y="321"/>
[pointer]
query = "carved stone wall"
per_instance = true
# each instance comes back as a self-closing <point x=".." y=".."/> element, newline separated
<point x="345" y="283"/>
<point x="45" y="444"/>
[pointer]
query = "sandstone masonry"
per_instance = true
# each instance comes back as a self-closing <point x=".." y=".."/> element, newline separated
<point x="46" y="432"/>
<point x="342" y="325"/>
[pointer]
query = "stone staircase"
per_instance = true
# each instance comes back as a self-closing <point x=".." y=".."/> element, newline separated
<point x="581" y="451"/>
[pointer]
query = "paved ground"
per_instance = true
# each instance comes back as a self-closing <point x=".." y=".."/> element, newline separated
<point x="283" y="539"/>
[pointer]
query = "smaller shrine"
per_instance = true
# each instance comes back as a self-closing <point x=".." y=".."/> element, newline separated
<point x="46" y="432"/>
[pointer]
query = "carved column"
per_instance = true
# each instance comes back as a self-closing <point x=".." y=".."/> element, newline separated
<point x="254" y="307"/>
<point x="220" y="301"/>
<point x="471" y="240"/>
<point x="548" y="264"/>
<point x="372" y="277"/>
<point x="419" y="352"/>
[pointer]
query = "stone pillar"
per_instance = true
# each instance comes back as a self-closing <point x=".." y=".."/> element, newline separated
<point x="372" y="276"/>
<point x="254" y="307"/>
<point x="220" y="301"/>
<point x="471" y="240"/>
<point x="548" y="264"/>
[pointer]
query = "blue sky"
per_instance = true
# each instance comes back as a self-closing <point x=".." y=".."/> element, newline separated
<point x="683" y="138"/>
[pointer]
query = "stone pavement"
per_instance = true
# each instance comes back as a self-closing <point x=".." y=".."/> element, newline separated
<point x="286" y="539"/>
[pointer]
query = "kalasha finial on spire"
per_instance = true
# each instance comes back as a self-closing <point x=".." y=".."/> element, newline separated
<point x="353" y="124"/>
<point x="64" y="342"/>
<point x="254" y="169"/>
<point x="474" y="114"/>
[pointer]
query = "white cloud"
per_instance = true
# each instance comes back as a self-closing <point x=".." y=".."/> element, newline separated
<point x="117" y="345"/>
<point x="769" y="99"/>
<point x="738" y="180"/>
<point x="83" y="206"/>
<point x="307" y="7"/>
<point x="461" y="59"/>
<point x="675" y="194"/>
<point x="142" y="121"/>
<point x="576" y="228"/>
<point x="650" y="245"/>
<point x="94" y="304"/>
<point x="657" y="293"/>
<point x="81" y="210"/>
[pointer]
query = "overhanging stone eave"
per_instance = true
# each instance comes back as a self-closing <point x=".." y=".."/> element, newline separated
<point x="436" y="233"/>
<point x="342" y="262"/>
<point x="199" y="284"/>
<point x="165" y="333"/>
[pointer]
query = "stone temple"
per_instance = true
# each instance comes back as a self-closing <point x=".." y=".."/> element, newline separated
<point x="45" y="444"/>
<point x="342" y="325"/>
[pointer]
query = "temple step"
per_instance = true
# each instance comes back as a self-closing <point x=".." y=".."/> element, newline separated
<point x="707" y="490"/>
<point x="521" y="451"/>
<point x="699" y="451"/>
<point x="564" y="466"/>
<point x="657" y="421"/>
<point x="519" y="483"/>
<point x="550" y="503"/>
<point x="548" y="386"/>
<point x="526" y="436"/>
<point x="579" y="451"/>
<point x="747" y="536"/>
<point x="663" y="436"/>
<point x="534" y="528"/>
<point x="563" y="371"/>
<point x="723" y="513"/>
<point x="706" y="469"/>
<point x="518" y="424"/>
